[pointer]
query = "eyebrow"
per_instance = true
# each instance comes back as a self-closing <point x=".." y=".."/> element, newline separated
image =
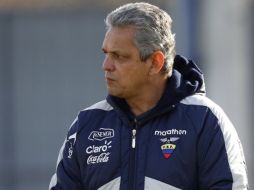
<point x="113" y="52"/>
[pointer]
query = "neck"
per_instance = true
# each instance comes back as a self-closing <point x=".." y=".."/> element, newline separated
<point x="148" y="98"/>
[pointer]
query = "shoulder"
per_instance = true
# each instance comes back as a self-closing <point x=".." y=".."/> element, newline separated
<point x="211" y="115"/>
<point x="90" y="115"/>
<point x="94" y="112"/>
<point x="198" y="101"/>
<point x="102" y="105"/>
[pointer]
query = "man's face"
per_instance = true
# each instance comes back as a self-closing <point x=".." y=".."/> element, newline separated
<point x="126" y="75"/>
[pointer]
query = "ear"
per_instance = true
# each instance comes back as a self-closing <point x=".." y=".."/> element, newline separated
<point x="157" y="62"/>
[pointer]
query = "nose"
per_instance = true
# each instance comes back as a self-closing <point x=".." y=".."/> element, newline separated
<point x="108" y="64"/>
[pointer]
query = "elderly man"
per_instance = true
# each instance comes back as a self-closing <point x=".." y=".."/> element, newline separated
<point x="156" y="130"/>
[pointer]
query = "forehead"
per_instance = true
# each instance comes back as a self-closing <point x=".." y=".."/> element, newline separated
<point x="119" y="37"/>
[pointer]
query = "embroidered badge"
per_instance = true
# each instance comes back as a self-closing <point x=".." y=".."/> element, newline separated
<point x="168" y="147"/>
<point x="101" y="134"/>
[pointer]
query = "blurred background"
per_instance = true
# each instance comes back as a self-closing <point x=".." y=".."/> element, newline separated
<point x="50" y="68"/>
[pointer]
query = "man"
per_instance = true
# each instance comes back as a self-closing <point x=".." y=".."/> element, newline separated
<point x="156" y="130"/>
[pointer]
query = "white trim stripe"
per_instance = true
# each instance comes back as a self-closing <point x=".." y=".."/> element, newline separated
<point x="112" y="185"/>
<point x="53" y="180"/>
<point x="153" y="184"/>
<point x="232" y="143"/>
<point x="103" y="105"/>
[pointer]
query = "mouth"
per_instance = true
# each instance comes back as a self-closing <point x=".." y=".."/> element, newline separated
<point x="109" y="80"/>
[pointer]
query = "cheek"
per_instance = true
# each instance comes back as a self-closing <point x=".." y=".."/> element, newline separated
<point x="131" y="76"/>
<point x="134" y="80"/>
<point x="126" y="80"/>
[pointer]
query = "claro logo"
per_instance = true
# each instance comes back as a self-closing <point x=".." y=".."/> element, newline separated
<point x="101" y="135"/>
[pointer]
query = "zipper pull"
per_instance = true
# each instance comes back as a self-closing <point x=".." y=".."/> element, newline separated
<point x="133" y="143"/>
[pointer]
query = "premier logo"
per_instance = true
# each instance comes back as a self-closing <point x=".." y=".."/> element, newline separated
<point x="101" y="135"/>
<point x="170" y="132"/>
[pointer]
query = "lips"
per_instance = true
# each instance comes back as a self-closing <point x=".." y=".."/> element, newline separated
<point x="109" y="80"/>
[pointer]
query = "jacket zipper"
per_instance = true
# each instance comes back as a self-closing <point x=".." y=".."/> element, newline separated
<point x="133" y="142"/>
<point x="132" y="164"/>
<point x="132" y="168"/>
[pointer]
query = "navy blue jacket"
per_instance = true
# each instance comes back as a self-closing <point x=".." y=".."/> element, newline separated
<point x="185" y="142"/>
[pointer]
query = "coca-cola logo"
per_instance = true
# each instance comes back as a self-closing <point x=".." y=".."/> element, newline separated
<point x="98" y="154"/>
<point x="101" y="135"/>
<point x="101" y="158"/>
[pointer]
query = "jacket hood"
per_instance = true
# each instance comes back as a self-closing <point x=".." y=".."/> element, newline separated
<point x="186" y="79"/>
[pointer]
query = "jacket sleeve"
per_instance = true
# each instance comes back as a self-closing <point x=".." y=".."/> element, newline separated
<point x="67" y="174"/>
<point x="220" y="156"/>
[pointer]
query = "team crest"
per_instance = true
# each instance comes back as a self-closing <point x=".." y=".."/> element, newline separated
<point x="168" y="147"/>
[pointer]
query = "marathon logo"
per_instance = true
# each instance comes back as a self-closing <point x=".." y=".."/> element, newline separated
<point x="101" y="135"/>
<point x="170" y="132"/>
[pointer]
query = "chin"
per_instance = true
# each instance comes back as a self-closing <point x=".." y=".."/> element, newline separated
<point x="112" y="93"/>
<point x="115" y="92"/>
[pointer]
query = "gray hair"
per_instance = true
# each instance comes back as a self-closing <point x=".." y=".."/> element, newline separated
<point x="153" y="30"/>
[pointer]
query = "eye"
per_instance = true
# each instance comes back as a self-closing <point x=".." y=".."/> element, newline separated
<point x="115" y="55"/>
<point x="103" y="50"/>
